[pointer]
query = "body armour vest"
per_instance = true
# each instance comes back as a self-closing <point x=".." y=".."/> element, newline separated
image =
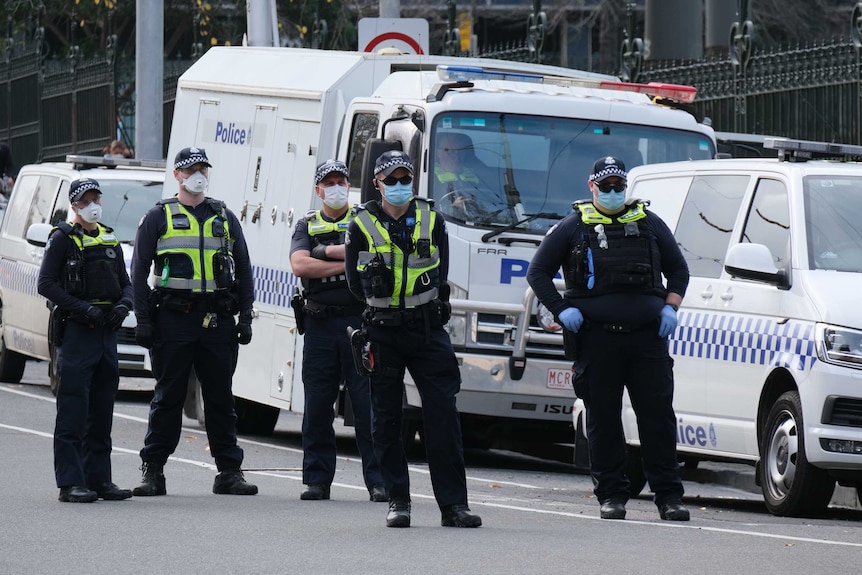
<point x="389" y="276"/>
<point x="616" y="254"/>
<point x="194" y="256"/>
<point x="94" y="273"/>
<point x="327" y="233"/>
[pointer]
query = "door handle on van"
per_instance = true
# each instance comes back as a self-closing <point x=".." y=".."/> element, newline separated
<point x="243" y="210"/>
<point x="706" y="294"/>
<point x="727" y="296"/>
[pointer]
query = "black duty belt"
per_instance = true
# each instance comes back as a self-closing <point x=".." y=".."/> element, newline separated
<point x="396" y="317"/>
<point x="618" y="327"/>
<point x="319" y="310"/>
<point x="200" y="304"/>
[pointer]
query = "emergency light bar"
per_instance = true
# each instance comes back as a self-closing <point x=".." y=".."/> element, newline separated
<point x="802" y="150"/>
<point x="91" y="161"/>
<point x="675" y="92"/>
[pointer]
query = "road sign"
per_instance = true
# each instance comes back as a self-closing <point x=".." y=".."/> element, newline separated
<point x="409" y="35"/>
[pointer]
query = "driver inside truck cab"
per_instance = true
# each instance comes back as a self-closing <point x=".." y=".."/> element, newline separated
<point x="462" y="183"/>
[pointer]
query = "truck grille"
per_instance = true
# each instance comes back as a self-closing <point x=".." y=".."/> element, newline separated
<point x="126" y="336"/>
<point x="497" y="331"/>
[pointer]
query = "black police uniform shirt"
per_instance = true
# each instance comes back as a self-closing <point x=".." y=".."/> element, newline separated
<point x="60" y="248"/>
<point x="400" y="234"/>
<point x="608" y="308"/>
<point x="154" y="225"/>
<point x="302" y="240"/>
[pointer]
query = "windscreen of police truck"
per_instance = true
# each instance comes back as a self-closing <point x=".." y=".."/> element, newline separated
<point x="833" y="222"/>
<point x="492" y="170"/>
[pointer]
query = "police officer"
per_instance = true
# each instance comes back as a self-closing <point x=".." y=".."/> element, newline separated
<point x="618" y="315"/>
<point x="202" y="279"/>
<point x="84" y="276"/>
<point x="397" y="261"/>
<point x="317" y="256"/>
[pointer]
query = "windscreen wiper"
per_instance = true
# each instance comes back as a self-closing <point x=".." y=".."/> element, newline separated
<point x="512" y="226"/>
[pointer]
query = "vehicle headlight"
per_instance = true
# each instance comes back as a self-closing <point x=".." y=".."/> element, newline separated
<point x="546" y="320"/>
<point x="839" y="345"/>
<point x="457" y="329"/>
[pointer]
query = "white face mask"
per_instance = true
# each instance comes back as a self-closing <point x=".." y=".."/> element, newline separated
<point x="91" y="213"/>
<point x="335" y="197"/>
<point x="196" y="183"/>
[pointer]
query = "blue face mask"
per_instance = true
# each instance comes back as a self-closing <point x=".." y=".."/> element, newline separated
<point x="398" y="194"/>
<point x="612" y="200"/>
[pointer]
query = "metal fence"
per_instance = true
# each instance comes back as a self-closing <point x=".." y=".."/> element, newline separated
<point x="806" y="92"/>
<point x="51" y="108"/>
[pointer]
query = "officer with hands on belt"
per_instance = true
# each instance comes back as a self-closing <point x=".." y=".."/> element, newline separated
<point x="397" y="261"/>
<point x="617" y="315"/>
<point x="317" y="257"/>
<point x="84" y="276"/>
<point x="203" y="278"/>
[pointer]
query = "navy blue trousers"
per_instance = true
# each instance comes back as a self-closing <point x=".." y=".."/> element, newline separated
<point x="182" y="343"/>
<point x="434" y="369"/>
<point x="639" y="362"/>
<point x="89" y="376"/>
<point x="326" y="362"/>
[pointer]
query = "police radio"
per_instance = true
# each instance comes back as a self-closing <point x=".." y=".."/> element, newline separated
<point x="382" y="280"/>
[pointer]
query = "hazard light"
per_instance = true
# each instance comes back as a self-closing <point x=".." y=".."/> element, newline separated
<point x="675" y="92"/>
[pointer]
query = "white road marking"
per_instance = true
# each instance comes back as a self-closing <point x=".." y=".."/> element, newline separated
<point x="510" y="507"/>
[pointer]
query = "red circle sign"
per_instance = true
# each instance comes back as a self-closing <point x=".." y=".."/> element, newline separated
<point x="393" y="36"/>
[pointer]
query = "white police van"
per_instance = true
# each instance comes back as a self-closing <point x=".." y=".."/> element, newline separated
<point x="768" y="351"/>
<point x="39" y="200"/>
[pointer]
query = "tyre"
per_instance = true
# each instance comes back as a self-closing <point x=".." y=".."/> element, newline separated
<point x="11" y="363"/>
<point x="791" y="486"/>
<point x="53" y="367"/>
<point x="254" y="418"/>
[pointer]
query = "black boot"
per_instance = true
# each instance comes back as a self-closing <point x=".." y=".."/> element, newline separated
<point x="232" y="482"/>
<point x="152" y="482"/>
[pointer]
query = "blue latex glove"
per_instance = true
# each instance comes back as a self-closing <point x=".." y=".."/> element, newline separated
<point x="669" y="321"/>
<point x="572" y="318"/>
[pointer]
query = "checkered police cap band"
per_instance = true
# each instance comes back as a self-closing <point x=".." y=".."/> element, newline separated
<point x="606" y="167"/>
<point x="80" y="187"/>
<point x="189" y="157"/>
<point x="328" y="167"/>
<point x="390" y="161"/>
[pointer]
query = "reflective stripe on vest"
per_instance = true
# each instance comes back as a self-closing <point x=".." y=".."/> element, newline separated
<point x="196" y="243"/>
<point x="405" y="292"/>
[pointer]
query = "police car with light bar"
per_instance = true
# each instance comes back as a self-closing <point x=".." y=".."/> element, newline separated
<point x="39" y="200"/>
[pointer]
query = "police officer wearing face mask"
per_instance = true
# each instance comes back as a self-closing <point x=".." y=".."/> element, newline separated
<point x="317" y="257"/>
<point x="199" y="257"/>
<point x="397" y="261"/>
<point x="618" y="314"/>
<point x="83" y="275"/>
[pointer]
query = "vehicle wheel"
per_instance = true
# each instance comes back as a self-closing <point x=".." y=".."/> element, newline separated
<point x="53" y="366"/>
<point x="791" y="486"/>
<point x="635" y="471"/>
<point x="11" y="363"/>
<point x="254" y="418"/>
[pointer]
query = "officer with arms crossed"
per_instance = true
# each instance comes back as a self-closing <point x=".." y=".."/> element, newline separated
<point x="397" y="261"/>
<point x="317" y="257"/>
<point x="618" y="314"/>
<point x="84" y="275"/>
<point x="203" y="278"/>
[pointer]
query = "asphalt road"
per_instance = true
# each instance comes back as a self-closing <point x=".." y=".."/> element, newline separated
<point x="539" y="515"/>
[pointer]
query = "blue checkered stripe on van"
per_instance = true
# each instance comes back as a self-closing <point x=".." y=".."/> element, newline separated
<point x="19" y="277"/>
<point x="744" y="339"/>
<point x="273" y="286"/>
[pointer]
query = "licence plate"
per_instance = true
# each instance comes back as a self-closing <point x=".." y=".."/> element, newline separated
<point x="559" y="378"/>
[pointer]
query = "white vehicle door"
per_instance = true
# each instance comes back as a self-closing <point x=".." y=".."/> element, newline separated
<point x="751" y="335"/>
<point x="703" y="231"/>
<point x="25" y="315"/>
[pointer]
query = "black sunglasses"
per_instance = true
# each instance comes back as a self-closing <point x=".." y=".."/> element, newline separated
<point x="607" y="187"/>
<point x="391" y="180"/>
